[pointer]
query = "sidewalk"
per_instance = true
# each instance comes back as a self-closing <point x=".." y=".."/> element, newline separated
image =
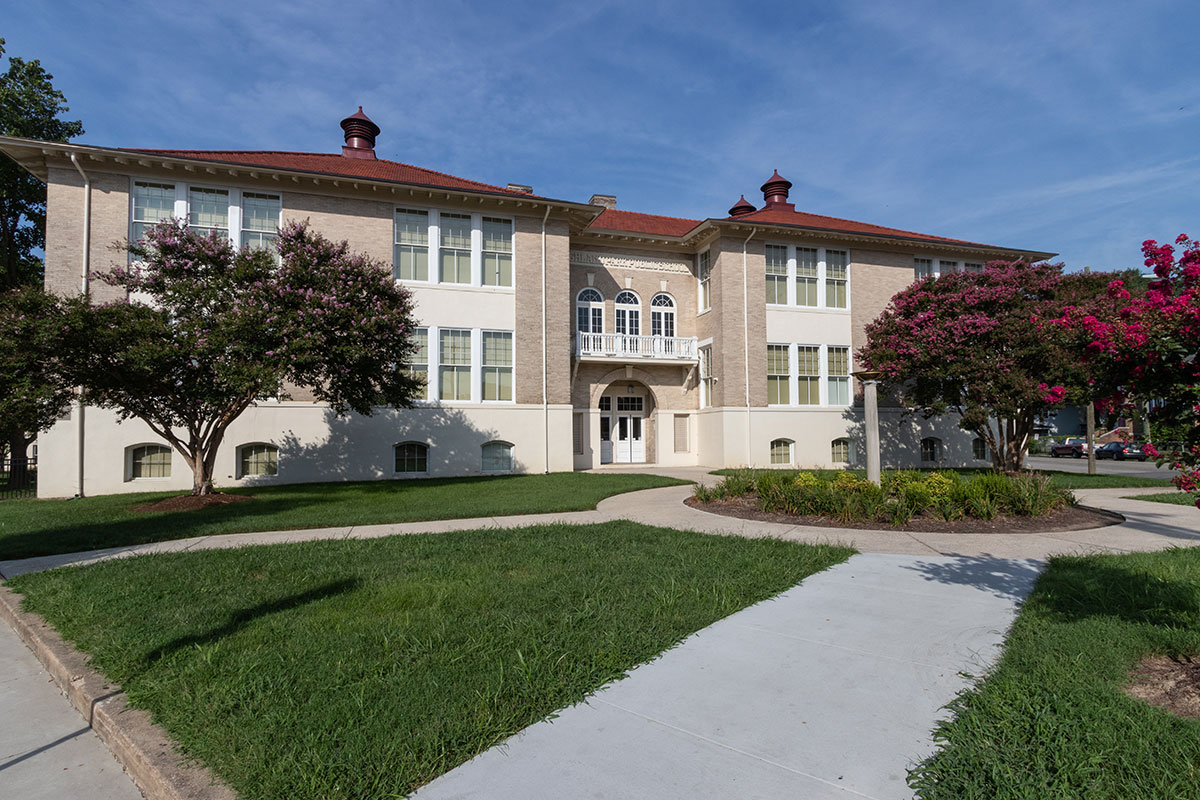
<point x="829" y="690"/>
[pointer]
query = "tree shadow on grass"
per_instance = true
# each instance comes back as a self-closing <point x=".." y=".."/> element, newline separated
<point x="1082" y="587"/>
<point x="1005" y="578"/>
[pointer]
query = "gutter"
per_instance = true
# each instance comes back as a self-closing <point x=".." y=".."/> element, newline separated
<point x="545" y="355"/>
<point x="746" y="343"/>
<point x="84" y="269"/>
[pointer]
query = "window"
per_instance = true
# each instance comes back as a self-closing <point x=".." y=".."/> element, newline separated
<point x="777" y="375"/>
<point x="260" y="220"/>
<point x="497" y="457"/>
<point x="419" y="368"/>
<point x="973" y="266"/>
<point x="626" y="403"/>
<point x="497" y="252"/>
<point x="577" y="433"/>
<point x="606" y="403"/>
<point x="497" y="365"/>
<point x="923" y="268"/>
<point x="589" y="312"/>
<point x="931" y="449"/>
<point x="777" y="270"/>
<point x="149" y="461"/>
<point x="706" y="377"/>
<point x="412" y="457"/>
<point x="806" y="276"/>
<point x="454" y="357"/>
<point x="947" y="266"/>
<point x="837" y="267"/>
<point x="839" y="376"/>
<point x="455" y="248"/>
<point x="781" y="451"/>
<point x="808" y="383"/>
<point x="208" y="211"/>
<point x="979" y="449"/>
<point x="704" y="273"/>
<point x="258" y="459"/>
<point x="628" y="314"/>
<point x="662" y="315"/>
<point x="410" y="259"/>
<point x="840" y="451"/>
<point x="152" y="203"/>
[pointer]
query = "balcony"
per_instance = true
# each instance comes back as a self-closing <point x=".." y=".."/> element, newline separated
<point x="622" y="347"/>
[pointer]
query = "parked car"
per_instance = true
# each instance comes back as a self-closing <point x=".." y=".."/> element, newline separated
<point x="1074" y="446"/>
<point x="1121" y="451"/>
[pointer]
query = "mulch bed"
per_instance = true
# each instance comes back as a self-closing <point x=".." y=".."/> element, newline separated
<point x="1169" y="683"/>
<point x="191" y="502"/>
<point x="1075" y="518"/>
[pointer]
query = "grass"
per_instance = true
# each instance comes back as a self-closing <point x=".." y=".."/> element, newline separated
<point x="1058" y="480"/>
<point x="1052" y="720"/>
<point x="1174" y="498"/>
<point x="43" y="527"/>
<point x="365" y="668"/>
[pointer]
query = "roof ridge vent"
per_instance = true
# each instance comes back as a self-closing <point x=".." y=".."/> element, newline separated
<point x="360" y="134"/>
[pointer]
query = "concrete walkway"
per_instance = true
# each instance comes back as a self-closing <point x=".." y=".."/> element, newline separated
<point x="829" y="690"/>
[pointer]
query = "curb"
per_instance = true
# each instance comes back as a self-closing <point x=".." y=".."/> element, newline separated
<point x="142" y="747"/>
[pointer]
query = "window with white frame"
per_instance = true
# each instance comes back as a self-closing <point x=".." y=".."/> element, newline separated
<point x="808" y="375"/>
<point x="208" y="211"/>
<point x="497" y="368"/>
<point x="936" y="267"/>
<point x="778" y="375"/>
<point x="923" y="268"/>
<point x="973" y="266"/>
<point x="704" y="274"/>
<point x="781" y="452"/>
<point x="630" y="403"/>
<point x="947" y="266"/>
<point x="455" y="248"/>
<point x="837" y="273"/>
<point x="149" y="461"/>
<point x="777" y="274"/>
<point x="806" y="276"/>
<point x="260" y="220"/>
<point x="589" y="311"/>
<point x="152" y="203"/>
<point x="628" y="314"/>
<point x="245" y="218"/>
<point x="840" y="451"/>
<point x="838" y="375"/>
<point x="412" y="458"/>
<point x="662" y="315"/>
<point x="258" y="459"/>
<point x="454" y="359"/>
<point x="706" y="377"/>
<point x="410" y="259"/>
<point x="418" y="368"/>
<point x="931" y="449"/>
<point x="497" y="457"/>
<point x="497" y="252"/>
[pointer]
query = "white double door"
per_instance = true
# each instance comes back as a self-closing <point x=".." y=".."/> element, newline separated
<point x="622" y="439"/>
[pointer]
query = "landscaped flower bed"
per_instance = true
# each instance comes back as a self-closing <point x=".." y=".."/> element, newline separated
<point x="906" y="496"/>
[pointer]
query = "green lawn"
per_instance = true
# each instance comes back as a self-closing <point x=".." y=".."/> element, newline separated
<point x="1174" y="498"/>
<point x="1061" y="480"/>
<point x="42" y="527"/>
<point x="1051" y="720"/>
<point x="365" y="668"/>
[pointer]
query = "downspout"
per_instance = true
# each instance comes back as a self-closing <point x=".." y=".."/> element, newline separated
<point x="545" y="356"/>
<point x="84" y="269"/>
<point x="746" y="342"/>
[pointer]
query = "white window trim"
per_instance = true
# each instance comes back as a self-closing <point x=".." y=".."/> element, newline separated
<point x="434" y="387"/>
<point x="428" y="448"/>
<point x="237" y="467"/>
<point x="589" y="305"/>
<point x="129" y="478"/>
<point x="512" y="458"/>
<point x="822" y="275"/>
<point x="706" y="385"/>
<point x="477" y="366"/>
<point x="823" y="369"/>
<point x="791" y="451"/>
<point x="702" y="306"/>
<point x="935" y="266"/>
<point x="180" y="210"/>
<point x="435" y="245"/>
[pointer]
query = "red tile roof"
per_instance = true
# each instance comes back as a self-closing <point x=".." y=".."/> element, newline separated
<point x="338" y="165"/>
<point x="613" y="220"/>
<point x="819" y="222"/>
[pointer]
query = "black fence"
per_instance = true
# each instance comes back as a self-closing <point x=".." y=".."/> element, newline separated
<point x="18" y="478"/>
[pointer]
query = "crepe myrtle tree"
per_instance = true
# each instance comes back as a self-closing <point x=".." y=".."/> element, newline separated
<point x="983" y="345"/>
<point x="1147" y="347"/>
<point x="209" y="329"/>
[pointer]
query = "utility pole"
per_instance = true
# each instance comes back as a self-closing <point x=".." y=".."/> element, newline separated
<point x="1091" y="437"/>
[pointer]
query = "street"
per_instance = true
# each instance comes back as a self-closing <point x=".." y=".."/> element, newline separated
<point x="1140" y="469"/>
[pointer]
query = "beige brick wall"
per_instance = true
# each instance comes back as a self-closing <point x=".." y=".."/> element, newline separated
<point x="674" y="386"/>
<point x="64" y="229"/>
<point x="527" y="281"/>
<point x="875" y="276"/>
<point x="645" y="284"/>
<point x="366" y="224"/>
<point x="731" y="320"/>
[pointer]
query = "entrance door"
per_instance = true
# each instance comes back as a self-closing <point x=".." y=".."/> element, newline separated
<point x="606" y="445"/>
<point x="630" y="445"/>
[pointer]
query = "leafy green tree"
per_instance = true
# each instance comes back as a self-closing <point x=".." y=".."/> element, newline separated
<point x="222" y="328"/>
<point x="30" y="106"/>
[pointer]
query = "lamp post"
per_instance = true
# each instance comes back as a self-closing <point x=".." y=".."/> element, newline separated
<point x="869" y="378"/>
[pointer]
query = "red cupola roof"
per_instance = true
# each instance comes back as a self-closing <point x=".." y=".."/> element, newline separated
<point x="775" y="192"/>
<point x="360" y="134"/>
<point x="741" y="208"/>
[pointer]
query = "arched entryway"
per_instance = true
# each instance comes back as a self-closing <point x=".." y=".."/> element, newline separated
<point x="626" y="412"/>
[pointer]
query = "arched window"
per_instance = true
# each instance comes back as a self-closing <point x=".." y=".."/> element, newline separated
<point x="412" y="458"/>
<point x="589" y="311"/>
<point x="781" y="451"/>
<point x="931" y="449"/>
<point x="662" y="315"/>
<point x="258" y="459"/>
<point x="979" y="449"/>
<point x="497" y="457"/>
<point x="628" y="314"/>
<point x="840" y="451"/>
<point x="148" y="461"/>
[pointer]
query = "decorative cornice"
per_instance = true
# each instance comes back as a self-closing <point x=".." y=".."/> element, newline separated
<point x="588" y="258"/>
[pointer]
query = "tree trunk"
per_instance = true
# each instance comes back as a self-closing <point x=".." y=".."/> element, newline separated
<point x="18" y="462"/>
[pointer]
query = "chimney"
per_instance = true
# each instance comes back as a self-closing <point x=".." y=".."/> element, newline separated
<point x="741" y="208"/>
<point x="520" y="187"/>
<point x="775" y="192"/>
<point x="360" y="135"/>
<point x="606" y="200"/>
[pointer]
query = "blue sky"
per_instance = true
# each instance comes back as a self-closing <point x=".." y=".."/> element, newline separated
<point x="1070" y="127"/>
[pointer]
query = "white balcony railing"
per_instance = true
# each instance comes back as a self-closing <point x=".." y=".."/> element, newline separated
<point x="620" y="345"/>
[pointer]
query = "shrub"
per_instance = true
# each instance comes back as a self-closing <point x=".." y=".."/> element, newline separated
<point x="941" y="484"/>
<point x="807" y="479"/>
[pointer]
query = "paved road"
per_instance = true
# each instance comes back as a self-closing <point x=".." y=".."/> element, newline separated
<point x="1145" y="469"/>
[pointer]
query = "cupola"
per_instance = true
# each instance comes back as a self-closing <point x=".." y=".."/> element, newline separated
<point x="775" y="192"/>
<point x="741" y="208"/>
<point x="360" y="135"/>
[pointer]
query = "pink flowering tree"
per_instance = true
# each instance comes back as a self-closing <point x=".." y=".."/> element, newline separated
<point x="983" y="345"/>
<point x="210" y="329"/>
<point x="1147" y="347"/>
